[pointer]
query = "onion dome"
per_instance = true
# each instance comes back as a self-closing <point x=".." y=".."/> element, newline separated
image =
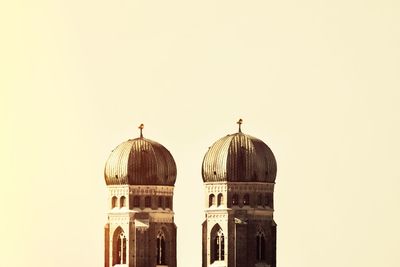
<point x="140" y="161"/>
<point x="239" y="158"/>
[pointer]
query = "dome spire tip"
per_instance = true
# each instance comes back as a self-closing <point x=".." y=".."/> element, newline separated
<point x="240" y="121"/>
<point x="141" y="126"/>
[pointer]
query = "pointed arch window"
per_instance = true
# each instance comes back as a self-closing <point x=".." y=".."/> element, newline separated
<point x="119" y="247"/>
<point x="161" y="250"/>
<point x="122" y="202"/>
<point x="220" y="199"/>
<point x="260" y="246"/>
<point x="211" y="200"/>
<point x="235" y="200"/>
<point x="218" y="245"/>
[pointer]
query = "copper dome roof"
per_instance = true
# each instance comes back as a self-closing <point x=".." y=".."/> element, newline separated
<point x="239" y="158"/>
<point x="140" y="161"/>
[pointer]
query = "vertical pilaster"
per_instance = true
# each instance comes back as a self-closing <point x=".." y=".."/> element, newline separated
<point x="106" y="245"/>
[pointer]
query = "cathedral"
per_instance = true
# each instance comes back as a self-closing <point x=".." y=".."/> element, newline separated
<point x="238" y="173"/>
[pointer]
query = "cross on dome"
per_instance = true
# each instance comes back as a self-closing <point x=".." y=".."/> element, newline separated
<point x="240" y="121"/>
<point x="141" y="126"/>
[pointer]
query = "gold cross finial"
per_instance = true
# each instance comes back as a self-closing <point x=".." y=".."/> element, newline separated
<point x="141" y="126"/>
<point x="240" y="121"/>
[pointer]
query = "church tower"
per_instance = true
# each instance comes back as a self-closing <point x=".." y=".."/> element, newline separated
<point x="239" y="177"/>
<point x="140" y="232"/>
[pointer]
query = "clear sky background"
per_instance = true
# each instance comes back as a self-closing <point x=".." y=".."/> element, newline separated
<point x="318" y="81"/>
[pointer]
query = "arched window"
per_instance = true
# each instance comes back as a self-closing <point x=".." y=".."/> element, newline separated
<point x="235" y="200"/>
<point x="161" y="250"/>
<point x="211" y="200"/>
<point x="119" y="247"/>
<point x="269" y="202"/>
<point x="246" y="199"/>
<point x="260" y="246"/>
<point x="136" y="201"/>
<point x="259" y="200"/>
<point x="220" y="199"/>
<point x="122" y="202"/>
<point x="113" y="202"/>
<point x="147" y="202"/>
<point x="217" y="244"/>
<point x="160" y="202"/>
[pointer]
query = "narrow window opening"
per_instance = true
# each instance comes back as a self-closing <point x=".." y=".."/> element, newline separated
<point x="269" y="202"/>
<point x="219" y="246"/>
<point x="119" y="247"/>
<point x="220" y="199"/>
<point x="161" y="250"/>
<point x="122" y="202"/>
<point x="259" y="200"/>
<point x="136" y="201"/>
<point x="266" y="201"/>
<point x="113" y="202"/>
<point x="235" y="200"/>
<point x="260" y="246"/>
<point x="147" y="202"/>
<point x="211" y="200"/>
<point x="168" y="203"/>
<point x="160" y="204"/>
<point x="246" y="199"/>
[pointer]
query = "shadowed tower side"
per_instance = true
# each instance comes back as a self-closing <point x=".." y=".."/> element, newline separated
<point x="239" y="177"/>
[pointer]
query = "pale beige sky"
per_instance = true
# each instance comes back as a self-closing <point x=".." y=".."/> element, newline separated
<point x="318" y="81"/>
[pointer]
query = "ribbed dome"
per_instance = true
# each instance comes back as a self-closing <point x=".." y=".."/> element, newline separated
<point x="239" y="158"/>
<point x="140" y="161"/>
